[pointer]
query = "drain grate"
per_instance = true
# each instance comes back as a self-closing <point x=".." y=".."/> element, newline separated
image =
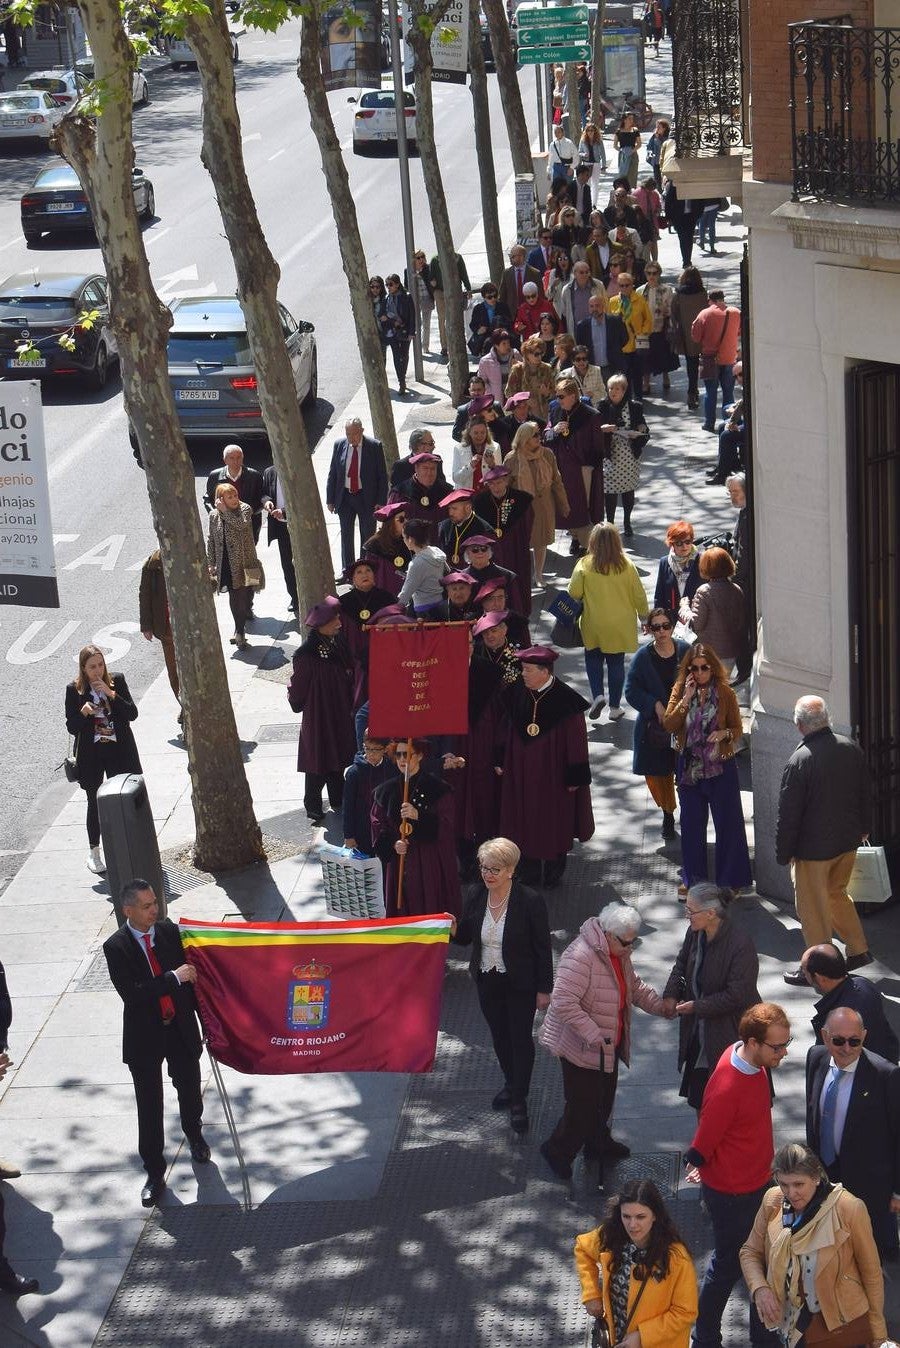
<point x="281" y="732"/>
<point x="96" y="977"/>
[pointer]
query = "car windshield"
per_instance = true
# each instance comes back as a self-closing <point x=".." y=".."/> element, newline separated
<point x="384" y="99"/>
<point x="43" y="307"/>
<point x="220" y="348"/>
<point x="20" y="103"/>
<point x="58" y="177"/>
<point x="53" y="86"/>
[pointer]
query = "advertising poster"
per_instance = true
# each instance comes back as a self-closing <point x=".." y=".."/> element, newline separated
<point x="350" y="43"/>
<point x="27" y="563"/>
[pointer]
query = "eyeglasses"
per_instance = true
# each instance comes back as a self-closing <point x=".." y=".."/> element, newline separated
<point x="626" y="286"/>
<point x="478" y="548"/>
<point x="693" y="912"/>
<point x="699" y="669"/>
<point x="849" y="1041"/>
<point x="393" y="284"/>
<point x="627" y="944"/>
<point x="400" y="753"/>
<point x="660" y="627"/>
<point x="490" y="870"/>
<point x="581" y="360"/>
<point x="373" y="285"/>
<point x="778" y="1048"/>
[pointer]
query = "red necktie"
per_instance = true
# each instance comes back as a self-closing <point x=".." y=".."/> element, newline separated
<point x="353" y="470"/>
<point x="166" y="1005"/>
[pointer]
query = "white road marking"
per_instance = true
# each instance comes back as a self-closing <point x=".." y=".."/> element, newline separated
<point x="20" y="238"/>
<point x="156" y="236"/>
<point x="18" y="653"/>
<point x="254" y="135"/>
<point x="324" y="226"/>
<point x="275" y="155"/>
<point x="168" y="282"/>
<point x="104" y="554"/>
<point x="94" y="436"/>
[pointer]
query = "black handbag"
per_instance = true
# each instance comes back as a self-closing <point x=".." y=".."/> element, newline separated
<point x="70" y="762"/>
<point x="567" y="636"/>
<point x="600" y="1330"/>
<point x="657" y="736"/>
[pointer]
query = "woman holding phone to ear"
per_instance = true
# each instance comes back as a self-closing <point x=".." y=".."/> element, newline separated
<point x="704" y="716"/>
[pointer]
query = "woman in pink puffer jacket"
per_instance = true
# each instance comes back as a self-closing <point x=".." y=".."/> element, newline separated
<point x="588" y="1027"/>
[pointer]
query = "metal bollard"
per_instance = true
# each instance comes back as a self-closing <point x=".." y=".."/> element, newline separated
<point x="130" y="848"/>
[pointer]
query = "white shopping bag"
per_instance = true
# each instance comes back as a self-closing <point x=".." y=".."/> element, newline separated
<point x="870" y="881"/>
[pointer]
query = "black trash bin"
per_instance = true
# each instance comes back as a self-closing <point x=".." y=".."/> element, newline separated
<point x="130" y="848"/>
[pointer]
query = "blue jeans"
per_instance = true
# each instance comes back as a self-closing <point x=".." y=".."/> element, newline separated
<point x="725" y="378"/>
<point x="732" y="1218"/>
<point x="706" y="226"/>
<point x="593" y="665"/>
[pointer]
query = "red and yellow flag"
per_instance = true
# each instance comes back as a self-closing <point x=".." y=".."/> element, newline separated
<point x="288" y="997"/>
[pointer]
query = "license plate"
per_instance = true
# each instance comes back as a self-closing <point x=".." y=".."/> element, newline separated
<point x="17" y="363"/>
<point x="12" y="121"/>
<point x="197" y="395"/>
<point x="63" y="206"/>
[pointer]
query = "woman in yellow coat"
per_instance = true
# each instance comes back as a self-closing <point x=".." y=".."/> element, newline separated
<point x="610" y="588"/>
<point x="637" y="316"/>
<point x="637" y="1273"/>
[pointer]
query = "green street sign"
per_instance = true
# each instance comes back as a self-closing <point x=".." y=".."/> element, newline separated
<point x="536" y="16"/>
<point x="561" y="36"/>
<point x="540" y="56"/>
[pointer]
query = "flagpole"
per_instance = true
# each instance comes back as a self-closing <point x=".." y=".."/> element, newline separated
<point x="405" y="828"/>
<point x="232" y="1128"/>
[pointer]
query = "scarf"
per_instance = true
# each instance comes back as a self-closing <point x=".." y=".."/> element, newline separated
<point x="815" y="1230"/>
<point x="701" y="759"/>
<point x="534" y="475"/>
<point x="681" y="566"/>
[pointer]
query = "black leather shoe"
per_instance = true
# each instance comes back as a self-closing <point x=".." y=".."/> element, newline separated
<point x="859" y="961"/>
<point x="17" y="1285"/>
<point x="518" y="1118"/>
<point x="502" y="1099"/>
<point x="668" y="825"/>
<point x="795" y="978"/>
<point x="200" y="1150"/>
<point x="561" y="1169"/>
<point x="152" y="1192"/>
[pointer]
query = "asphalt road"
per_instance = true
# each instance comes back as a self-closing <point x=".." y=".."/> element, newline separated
<point x="101" y="516"/>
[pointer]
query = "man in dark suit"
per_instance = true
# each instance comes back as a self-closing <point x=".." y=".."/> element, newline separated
<point x="826" y="971"/>
<point x="277" y="530"/>
<point x="515" y="277"/>
<point x="853" y="1120"/>
<point x="583" y="204"/>
<point x="604" y="336"/>
<point x="248" y="481"/>
<point x="148" y="970"/>
<point x="357" y="483"/>
<point x="542" y="255"/>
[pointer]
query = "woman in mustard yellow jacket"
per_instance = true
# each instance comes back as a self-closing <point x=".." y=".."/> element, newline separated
<point x="637" y="1274"/>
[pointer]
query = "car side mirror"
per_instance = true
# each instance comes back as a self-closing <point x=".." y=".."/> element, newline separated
<point x="351" y="98"/>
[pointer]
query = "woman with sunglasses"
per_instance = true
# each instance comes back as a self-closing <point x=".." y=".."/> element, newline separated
<point x="637" y="1274"/>
<point x="678" y="577"/>
<point x="386" y="550"/>
<point x="704" y="716"/>
<point x="422" y="829"/>
<point x="489" y="313"/>
<point x="558" y="276"/>
<point x="507" y="927"/>
<point x="395" y="317"/>
<point x="648" y="687"/>
<point x="588" y="1027"/>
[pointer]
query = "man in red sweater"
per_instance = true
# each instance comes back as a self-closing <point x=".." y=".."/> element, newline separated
<point x="731" y="1157"/>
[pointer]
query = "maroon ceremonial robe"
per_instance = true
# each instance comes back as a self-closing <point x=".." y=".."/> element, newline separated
<point x="511" y="519"/>
<point x="321" y="687"/>
<point x="422" y="502"/>
<point x="581" y="448"/>
<point x="389" y="560"/>
<point x="357" y="608"/>
<point x="476" y="787"/>
<point x="538" y="811"/>
<point x="430" y="876"/>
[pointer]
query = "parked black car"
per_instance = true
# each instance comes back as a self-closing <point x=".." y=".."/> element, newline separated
<point x="43" y="308"/>
<point x="56" y="200"/>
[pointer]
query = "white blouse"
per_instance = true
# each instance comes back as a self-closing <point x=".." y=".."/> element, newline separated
<point x="492" y="942"/>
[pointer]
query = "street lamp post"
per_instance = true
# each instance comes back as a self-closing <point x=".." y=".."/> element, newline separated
<point x="405" y="198"/>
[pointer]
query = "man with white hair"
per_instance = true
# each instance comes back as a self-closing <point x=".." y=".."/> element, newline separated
<point x="248" y="481"/>
<point x="575" y="295"/>
<point x="357" y="483"/>
<point x="513" y="280"/>
<point x="824" y="813"/>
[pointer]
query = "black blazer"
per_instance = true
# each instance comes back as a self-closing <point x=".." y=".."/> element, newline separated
<point x="616" y="338"/>
<point x="140" y="990"/>
<point x="373" y="483"/>
<point x="123" y="710"/>
<point x="5" y="1010"/>
<point x="275" y="528"/>
<point x="249" y="487"/>
<point x="869" y="1158"/>
<point x="527" y="953"/>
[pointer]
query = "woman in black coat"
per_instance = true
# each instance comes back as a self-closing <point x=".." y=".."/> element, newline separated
<point x="487" y="315"/>
<point x="99" y="710"/>
<point x="396" y="318"/>
<point x="712" y="983"/>
<point x="648" y="687"/>
<point x="678" y="578"/>
<point x="512" y="964"/>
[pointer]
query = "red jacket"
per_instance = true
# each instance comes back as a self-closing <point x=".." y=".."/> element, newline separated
<point x="527" y="321"/>
<point x="716" y="331"/>
<point x="733" y="1145"/>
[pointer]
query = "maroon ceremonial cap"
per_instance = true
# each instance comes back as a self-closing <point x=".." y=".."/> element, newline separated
<point x="489" y="586"/>
<point x="537" y="655"/>
<point x="322" y="613"/>
<point x="392" y="613"/>
<point x="476" y="540"/>
<point x="457" y="578"/>
<point x="462" y="494"/>
<point x="515" y="400"/>
<point x="495" y="474"/>
<point x="481" y="404"/>
<point x="387" y="512"/>
<point x="424" y="457"/>
<point x="354" y="567"/>
<point x="490" y="620"/>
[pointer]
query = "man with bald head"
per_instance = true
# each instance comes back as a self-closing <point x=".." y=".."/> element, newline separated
<point x="853" y="1120"/>
<point x="824" y="813"/>
<point x="826" y="972"/>
<point x="604" y="336"/>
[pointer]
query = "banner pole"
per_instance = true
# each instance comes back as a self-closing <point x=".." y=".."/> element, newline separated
<point x="232" y="1128"/>
<point x="405" y="828"/>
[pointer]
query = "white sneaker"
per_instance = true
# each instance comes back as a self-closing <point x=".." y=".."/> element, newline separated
<point x="95" y="862"/>
<point x="616" y="713"/>
<point x="596" y="707"/>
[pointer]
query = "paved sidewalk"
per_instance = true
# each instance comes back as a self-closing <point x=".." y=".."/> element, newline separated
<point x="388" y="1210"/>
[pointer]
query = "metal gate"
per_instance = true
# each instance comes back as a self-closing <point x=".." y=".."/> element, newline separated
<point x="873" y="439"/>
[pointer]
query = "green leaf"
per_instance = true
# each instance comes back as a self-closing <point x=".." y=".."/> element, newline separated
<point x="28" y="352"/>
<point x="67" y="342"/>
<point x="22" y="12"/>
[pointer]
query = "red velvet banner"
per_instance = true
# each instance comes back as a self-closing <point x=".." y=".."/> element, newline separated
<point x="419" y="680"/>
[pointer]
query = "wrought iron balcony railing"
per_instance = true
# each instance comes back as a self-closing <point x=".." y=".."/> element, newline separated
<point x="845" y="112"/>
<point x="707" y="72"/>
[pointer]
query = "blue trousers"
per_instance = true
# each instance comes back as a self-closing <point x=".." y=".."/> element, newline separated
<point x="725" y="378"/>
<point x="593" y="665"/>
<point x="732" y="1218"/>
<point x="721" y="797"/>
